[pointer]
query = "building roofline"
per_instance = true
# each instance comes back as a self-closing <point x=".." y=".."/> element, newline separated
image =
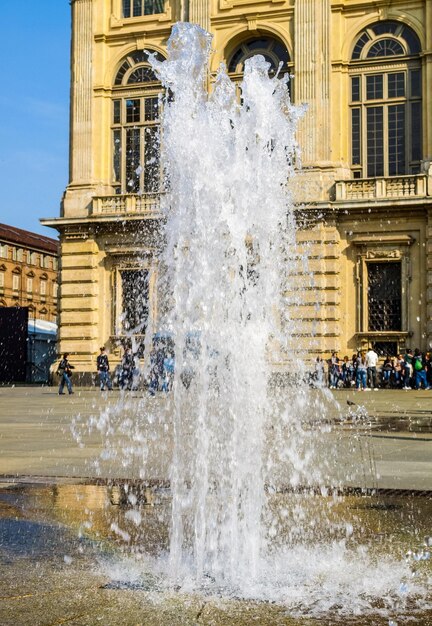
<point x="27" y="239"/>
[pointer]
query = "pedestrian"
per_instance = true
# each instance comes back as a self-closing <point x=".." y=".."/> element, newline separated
<point x="387" y="371"/>
<point x="371" y="368"/>
<point x="334" y="370"/>
<point x="127" y="370"/>
<point x="64" y="370"/>
<point x="319" y="372"/>
<point x="103" y="369"/>
<point x="398" y="371"/>
<point x="407" y="369"/>
<point x="361" y="372"/>
<point x="428" y="362"/>
<point x="419" y="365"/>
<point x="168" y="373"/>
<point x="347" y="372"/>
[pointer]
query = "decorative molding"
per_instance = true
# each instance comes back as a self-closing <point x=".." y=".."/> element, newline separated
<point x="141" y="41"/>
<point x="384" y="254"/>
<point x="380" y="240"/>
<point x="252" y="23"/>
<point x="77" y="234"/>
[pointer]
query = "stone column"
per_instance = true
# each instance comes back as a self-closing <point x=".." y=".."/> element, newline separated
<point x="81" y="93"/>
<point x="199" y="13"/>
<point x="312" y="78"/>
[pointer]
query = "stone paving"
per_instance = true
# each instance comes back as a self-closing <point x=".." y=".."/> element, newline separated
<point x="49" y="577"/>
<point x="393" y="442"/>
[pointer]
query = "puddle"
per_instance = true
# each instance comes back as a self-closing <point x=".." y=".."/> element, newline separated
<point x="83" y="554"/>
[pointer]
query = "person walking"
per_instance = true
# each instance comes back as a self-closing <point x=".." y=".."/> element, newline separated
<point x="103" y="369"/>
<point x="64" y="370"/>
<point x="371" y="368"/>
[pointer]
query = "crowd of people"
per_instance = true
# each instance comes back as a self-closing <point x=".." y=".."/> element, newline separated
<point x="128" y="374"/>
<point x="366" y="371"/>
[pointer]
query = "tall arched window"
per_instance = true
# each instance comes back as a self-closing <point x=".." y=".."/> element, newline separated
<point x="385" y="102"/>
<point x="135" y="126"/>
<point x="272" y="50"/>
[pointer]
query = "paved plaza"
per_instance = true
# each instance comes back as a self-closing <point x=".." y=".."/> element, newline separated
<point x="391" y="444"/>
<point x="61" y="560"/>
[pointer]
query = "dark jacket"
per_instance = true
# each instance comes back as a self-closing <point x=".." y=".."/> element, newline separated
<point x="102" y="363"/>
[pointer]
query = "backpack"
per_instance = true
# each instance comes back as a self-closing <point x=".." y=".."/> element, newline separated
<point x="418" y="365"/>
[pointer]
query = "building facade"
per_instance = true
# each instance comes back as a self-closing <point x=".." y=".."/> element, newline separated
<point x="29" y="272"/>
<point x="364" y="69"/>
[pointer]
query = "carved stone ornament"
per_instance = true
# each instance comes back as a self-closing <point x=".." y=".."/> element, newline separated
<point x="76" y="234"/>
<point x="383" y="254"/>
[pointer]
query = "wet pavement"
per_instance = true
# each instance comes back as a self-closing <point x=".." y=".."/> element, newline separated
<point x="63" y="561"/>
<point x="69" y="540"/>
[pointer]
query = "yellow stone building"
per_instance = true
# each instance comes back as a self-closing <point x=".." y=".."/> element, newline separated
<point x="364" y="68"/>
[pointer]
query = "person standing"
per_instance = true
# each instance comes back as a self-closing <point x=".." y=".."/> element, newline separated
<point x="127" y="370"/>
<point x="371" y="368"/>
<point x="334" y="370"/>
<point x="319" y="372"/>
<point x="64" y="370"/>
<point x="168" y="372"/>
<point x="361" y="372"/>
<point x="103" y="370"/>
<point x="419" y="365"/>
<point x="407" y="369"/>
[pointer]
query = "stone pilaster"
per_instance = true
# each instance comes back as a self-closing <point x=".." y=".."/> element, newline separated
<point x="312" y="78"/>
<point x="427" y="81"/>
<point x="429" y="280"/>
<point x="81" y="93"/>
<point x="313" y="290"/>
<point x="199" y="13"/>
<point x="79" y="328"/>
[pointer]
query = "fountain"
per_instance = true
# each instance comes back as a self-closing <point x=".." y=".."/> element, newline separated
<point x="256" y="511"/>
<point x="231" y="264"/>
<point x="230" y="236"/>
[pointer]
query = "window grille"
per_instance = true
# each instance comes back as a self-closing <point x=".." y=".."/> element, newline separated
<point x="384" y="296"/>
<point x="272" y="50"/>
<point x="134" y="301"/>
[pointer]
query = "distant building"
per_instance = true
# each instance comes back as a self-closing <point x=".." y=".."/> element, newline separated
<point x="29" y="272"/>
<point x="364" y="70"/>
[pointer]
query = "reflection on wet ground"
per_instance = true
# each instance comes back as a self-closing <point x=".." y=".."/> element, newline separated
<point x="416" y="421"/>
<point x="68" y="551"/>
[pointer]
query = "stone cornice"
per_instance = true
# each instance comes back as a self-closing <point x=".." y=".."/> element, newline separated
<point x="61" y="223"/>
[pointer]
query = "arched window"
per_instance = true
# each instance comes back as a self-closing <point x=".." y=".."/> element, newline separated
<point x="135" y="126"/>
<point x="272" y="50"/>
<point x="385" y="102"/>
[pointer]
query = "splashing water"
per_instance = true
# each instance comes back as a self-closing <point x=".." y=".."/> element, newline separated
<point x="230" y="277"/>
<point x="230" y="246"/>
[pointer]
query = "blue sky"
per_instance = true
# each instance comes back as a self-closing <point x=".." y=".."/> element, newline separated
<point x="34" y="111"/>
